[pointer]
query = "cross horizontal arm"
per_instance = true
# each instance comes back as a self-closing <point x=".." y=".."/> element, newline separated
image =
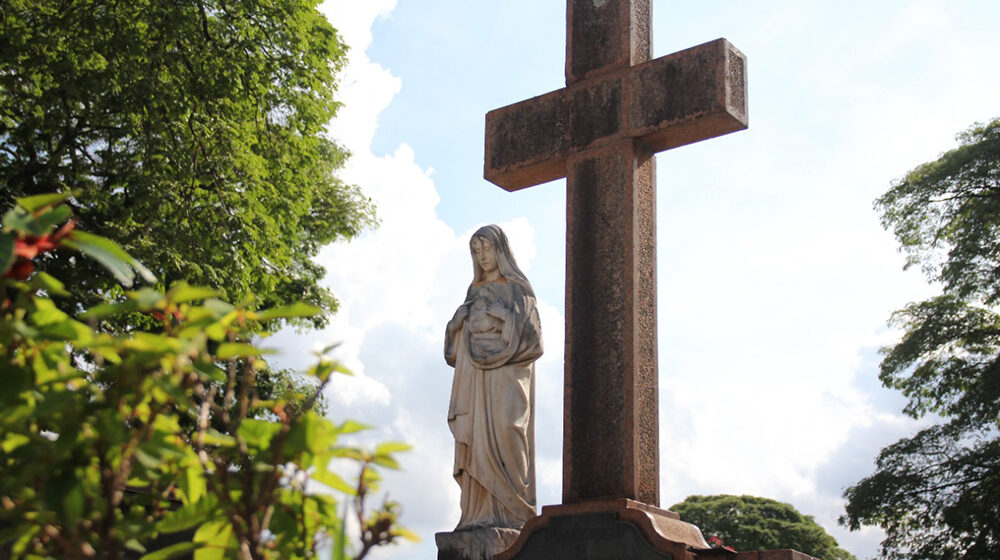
<point x="677" y="99"/>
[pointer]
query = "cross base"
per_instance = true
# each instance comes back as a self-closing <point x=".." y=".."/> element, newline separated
<point x="616" y="528"/>
<point x="622" y="529"/>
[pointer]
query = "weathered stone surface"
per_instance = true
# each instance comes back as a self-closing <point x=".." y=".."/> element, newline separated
<point x="607" y="529"/>
<point x="610" y="435"/>
<point x="603" y="36"/>
<point x="593" y="535"/>
<point x="688" y="96"/>
<point x="474" y="544"/>
<point x="491" y="412"/>
<point x="677" y="99"/>
<point x="784" y="554"/>
<point x="519" y="159"/>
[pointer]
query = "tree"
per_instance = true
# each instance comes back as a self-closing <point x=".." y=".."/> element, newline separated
<point x="96" y="458"/>
<point x="747" y="523"/>
<point x="937" y="494"/>
<point x="192" y="132"/>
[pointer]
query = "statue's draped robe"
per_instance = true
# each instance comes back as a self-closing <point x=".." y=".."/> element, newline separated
<point x="493" y="344"/>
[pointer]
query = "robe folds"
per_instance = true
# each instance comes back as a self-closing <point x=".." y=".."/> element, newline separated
<point x="493" y="341"/>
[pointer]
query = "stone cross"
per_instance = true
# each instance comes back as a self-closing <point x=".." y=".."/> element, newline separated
<point x="600" y="132"/>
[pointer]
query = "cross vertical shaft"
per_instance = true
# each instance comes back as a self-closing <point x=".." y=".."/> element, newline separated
<point x="604" y="35"/>
<point x="611" y="366"/>
<point x="610" y="447"/>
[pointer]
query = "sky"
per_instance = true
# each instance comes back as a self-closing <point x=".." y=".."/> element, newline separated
<point x="775" y="278"/>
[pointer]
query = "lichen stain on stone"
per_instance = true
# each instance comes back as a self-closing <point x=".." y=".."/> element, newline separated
<point x="599" y="3"/>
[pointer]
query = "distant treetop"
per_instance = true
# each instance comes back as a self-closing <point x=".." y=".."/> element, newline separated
<point x="747" y="523"/>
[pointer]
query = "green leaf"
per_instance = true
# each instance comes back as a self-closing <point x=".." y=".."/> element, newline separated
<point x="32" y="203"/>
<point x="392" y="447"/>
<point x="12" y="441"/>
<point x="18" y="220"/>
<point x="6" y="251"/>
<point x="219" y="439"/>
<point x="325" y="507"/>
<point x="195" y="485"/>
<point x="405" y="533"/>
<point x="216" y="536"/>
<point x="47" y="313"/>
<point x="45" y="281"/>
<point x="340" y="542"/>
<point x="333" y="480"/>
<point x="147" y="342"/>
<point x="229" y="350"/>
<point x="327" y="349"/>
<point x="173" y="551"/>
<point x="122" y="265"/>
<point x="107" y="309"/>
<point x="148" y="299"/>
<point x="326" y="366"/>
<point x="219" y="307"/>
<point x="385" y="461"/>
<point x="314" y="434"/>
<point x="352" y="426"/>
<point x="210" y="370"/>
<point x="258" y="433"/>
<point x="352" y="453"/>
<point x="147" y="460"/>
<point x="64" y="495"/>
<point x="188" y="516"/>
<point x="181" y="293"/>
<point x="297" y="309"/>
<point x="45" y="220"/>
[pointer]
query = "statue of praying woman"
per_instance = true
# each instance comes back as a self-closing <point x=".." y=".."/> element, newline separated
<point x="493" y="341"/>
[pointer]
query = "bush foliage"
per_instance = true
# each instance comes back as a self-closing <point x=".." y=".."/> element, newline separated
<point x="107" y="440"/>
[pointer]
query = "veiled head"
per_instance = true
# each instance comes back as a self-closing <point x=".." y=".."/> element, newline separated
<point x="501" y="253"/>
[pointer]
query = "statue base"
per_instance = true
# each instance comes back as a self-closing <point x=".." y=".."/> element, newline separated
<point x="474" y="544"/>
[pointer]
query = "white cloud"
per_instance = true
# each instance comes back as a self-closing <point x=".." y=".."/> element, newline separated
<point x="365" y="88"/>
<point x="398" y="285"/>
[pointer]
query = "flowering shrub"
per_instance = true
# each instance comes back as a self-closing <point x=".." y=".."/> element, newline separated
<point x="716" y="542"/>
<point x="110" y="441"/>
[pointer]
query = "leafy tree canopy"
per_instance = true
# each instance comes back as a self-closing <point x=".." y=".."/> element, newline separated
<point x="193" y="132"/>
<point x="946" y="216"/>
<point x="747" y="523"/>
<point x="937" y="494"/>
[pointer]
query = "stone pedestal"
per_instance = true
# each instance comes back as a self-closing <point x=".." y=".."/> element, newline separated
<point x="474" y="544"/>
<point x="604" y="529"/>
<point x="620" y="529"/>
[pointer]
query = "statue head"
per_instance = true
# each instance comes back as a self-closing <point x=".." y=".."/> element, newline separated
<point x="489" y="247"/>
<point x="484" y="255"/>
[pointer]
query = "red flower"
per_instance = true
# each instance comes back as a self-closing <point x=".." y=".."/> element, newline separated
<point x="21" y="270"/>
<point x="31" y="246"/>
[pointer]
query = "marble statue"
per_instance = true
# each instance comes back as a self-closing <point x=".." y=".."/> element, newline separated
<point x="492" y="341"/>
